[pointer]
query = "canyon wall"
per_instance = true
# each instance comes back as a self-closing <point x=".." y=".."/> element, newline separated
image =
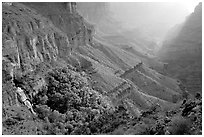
<point x="183" y="53"/>
<point x="65" y="16"/>
<point x="31" y="42"/>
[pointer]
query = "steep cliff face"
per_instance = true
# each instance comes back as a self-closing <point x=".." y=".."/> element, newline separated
<point x="184" y="52"/>
<point x="65" y="17"/>
<point x="32" y="30"/>
<point x="29" y="40"/>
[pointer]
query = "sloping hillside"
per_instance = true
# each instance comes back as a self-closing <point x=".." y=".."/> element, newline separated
<point x="183" y="53"/>
<point x="152" y="84"/>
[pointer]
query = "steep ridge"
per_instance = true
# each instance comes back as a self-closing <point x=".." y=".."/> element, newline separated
<point x="183" y="53"/>
<point x="129" y="95"/>
<point x="149" y="84"/>
<point x="163" y="80"/>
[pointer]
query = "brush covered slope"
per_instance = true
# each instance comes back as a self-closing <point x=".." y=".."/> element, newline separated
<point x="183" y="52"/>
<point x="72" y="79"/>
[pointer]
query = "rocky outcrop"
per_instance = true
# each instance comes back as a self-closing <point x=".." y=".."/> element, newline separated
<point x="183" y="53"/>
<point x="29" y="39"/>
<point x="64" y="16"/>
<point x="131" y="70"/>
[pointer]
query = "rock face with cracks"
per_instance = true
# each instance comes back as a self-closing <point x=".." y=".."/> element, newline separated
<point x="30" y="41"/>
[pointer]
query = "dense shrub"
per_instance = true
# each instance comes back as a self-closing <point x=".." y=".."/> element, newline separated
<point x="69" y="90"/>
<point x="43" y="111"/>
<point x="68" y="99"/>
<point x="180" y="126"/>
<point x="9" y="122"/>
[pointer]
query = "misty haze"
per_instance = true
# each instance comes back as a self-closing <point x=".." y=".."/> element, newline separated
<point x="102" y="68"/>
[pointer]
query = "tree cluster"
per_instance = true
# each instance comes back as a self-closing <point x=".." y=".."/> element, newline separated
<point x="68" y="105"/>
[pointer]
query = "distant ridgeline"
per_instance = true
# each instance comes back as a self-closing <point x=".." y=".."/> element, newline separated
<point x="182" y="50"/>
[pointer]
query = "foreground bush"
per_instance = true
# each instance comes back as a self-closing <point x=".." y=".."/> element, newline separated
<point x="180" y="126"/>
<point x="68" y="105"/>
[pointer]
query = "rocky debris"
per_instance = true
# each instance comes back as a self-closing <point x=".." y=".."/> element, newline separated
<point x="118" y="72"/>
<point x="189" y="114"/>
<point x="23" y="99"/>
<point x="154" y="122"/>
<point x="132" y="109"/>
<point x="120" y="92"/>
<point x="154" y="109"/>
<point x="190" y="106"/>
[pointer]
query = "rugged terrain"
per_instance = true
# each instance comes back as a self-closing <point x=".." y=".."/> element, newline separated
<point x="75" y="79"/>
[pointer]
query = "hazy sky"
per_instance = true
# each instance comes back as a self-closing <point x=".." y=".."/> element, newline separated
<point x="156" y="17"/>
